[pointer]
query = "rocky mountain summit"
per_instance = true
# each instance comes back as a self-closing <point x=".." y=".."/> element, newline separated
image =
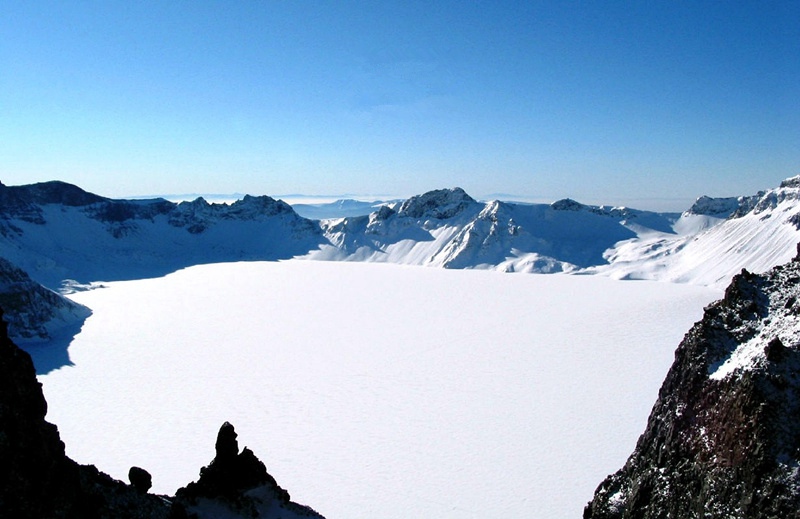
<point x="723" y="439"/>
<point x="440" y="204"/>
<point x="38" y="480"/>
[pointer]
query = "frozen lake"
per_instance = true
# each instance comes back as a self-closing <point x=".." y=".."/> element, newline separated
<point x="374" y="390"/>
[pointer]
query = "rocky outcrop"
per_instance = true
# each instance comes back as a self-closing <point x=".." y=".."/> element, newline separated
<point x="238" y="482"/>
<point x="716" y="207"/>
<point x="34" y="312"/>
<point x="440" y="204"/>
<point x="38" y="480"/>
<point x="723" y="439"/>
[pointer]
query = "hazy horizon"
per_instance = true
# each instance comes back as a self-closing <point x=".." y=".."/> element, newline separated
<point x="670" y="205"/>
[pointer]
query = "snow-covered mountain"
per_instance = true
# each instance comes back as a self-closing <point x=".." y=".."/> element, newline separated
<point x="708" y="244"/>
<point x="56" y="232"/>
<point x="66" y="238"/>
<point x="714" y="240"/>
<point x="448" y="228"/>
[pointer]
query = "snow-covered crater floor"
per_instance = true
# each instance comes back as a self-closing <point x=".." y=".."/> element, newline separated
<point x="375" y="390"/>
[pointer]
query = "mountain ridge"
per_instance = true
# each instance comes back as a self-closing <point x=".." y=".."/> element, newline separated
<point x="64" y="237"/>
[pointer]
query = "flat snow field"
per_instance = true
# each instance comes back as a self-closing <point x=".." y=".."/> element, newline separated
<point x="374" y="390"/>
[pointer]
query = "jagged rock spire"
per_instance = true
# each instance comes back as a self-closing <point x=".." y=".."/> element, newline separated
<point x="227" y="447"/>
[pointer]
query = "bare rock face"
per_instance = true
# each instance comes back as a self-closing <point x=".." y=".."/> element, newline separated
<point x="723" y="439"/>
<point x="35" y="474"/>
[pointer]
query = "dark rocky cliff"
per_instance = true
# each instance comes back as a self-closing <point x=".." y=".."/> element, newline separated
<point x="723" y="439"/>
<point x="38" y="480"/>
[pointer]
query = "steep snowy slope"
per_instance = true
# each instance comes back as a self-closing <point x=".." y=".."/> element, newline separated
<point x="55" y="232"/>
<point x="714" y="240"/>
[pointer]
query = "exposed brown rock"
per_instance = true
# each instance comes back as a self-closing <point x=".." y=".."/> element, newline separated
<point x="723" y="439"/>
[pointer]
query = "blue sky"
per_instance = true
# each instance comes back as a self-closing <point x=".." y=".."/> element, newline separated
<point x="647" y="104"/>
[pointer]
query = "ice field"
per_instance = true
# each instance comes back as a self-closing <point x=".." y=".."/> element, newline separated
<point x="375" y="390"/>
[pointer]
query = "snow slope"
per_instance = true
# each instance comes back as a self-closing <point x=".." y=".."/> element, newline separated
<point x="68" y="235"/>
<point x="375" y="390"/>
<point x="715" y="240"/>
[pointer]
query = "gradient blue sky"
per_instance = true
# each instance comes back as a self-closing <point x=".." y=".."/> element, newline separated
<point x="647" y="104"/>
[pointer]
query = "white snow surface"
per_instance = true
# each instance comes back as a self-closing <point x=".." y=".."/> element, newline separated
<point x="706" y="245"/>
<point x="375" y="390"/>
<point x="708" y="251"/>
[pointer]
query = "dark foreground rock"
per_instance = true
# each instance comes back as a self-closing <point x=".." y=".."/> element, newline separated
<point x="238" y="482"/>
<point x="38" y="480"/>
<point x="723" y="439"/>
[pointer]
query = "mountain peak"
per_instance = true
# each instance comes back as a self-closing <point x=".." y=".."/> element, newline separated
<point x="440" y="204"/>
<point x="791" y="182"/>
<point x="567" y="204"/>
<point x="717" y="207"/>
